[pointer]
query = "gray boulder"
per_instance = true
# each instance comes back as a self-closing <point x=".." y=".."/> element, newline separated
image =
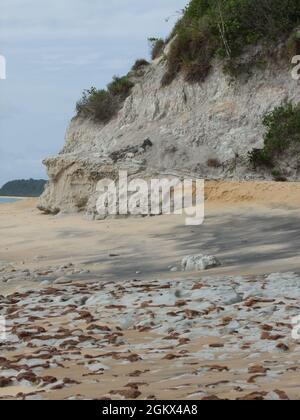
<point x="199" y="262"/>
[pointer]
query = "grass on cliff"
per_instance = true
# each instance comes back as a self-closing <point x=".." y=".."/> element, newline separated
<point x="283" y="132"/>
<point x="224" y="28"/>
<point x="157" y="46"/>
<point x="102" y="105"/>
<point x="140" y="64"/>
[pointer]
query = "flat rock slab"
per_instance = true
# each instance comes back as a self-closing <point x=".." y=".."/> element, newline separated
<point x="204" y="338"/>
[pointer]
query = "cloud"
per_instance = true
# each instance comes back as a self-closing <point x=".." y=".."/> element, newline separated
<point x="78" y="19"/>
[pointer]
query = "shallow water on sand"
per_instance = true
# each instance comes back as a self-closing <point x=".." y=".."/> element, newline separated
<point x="7" y="200"/>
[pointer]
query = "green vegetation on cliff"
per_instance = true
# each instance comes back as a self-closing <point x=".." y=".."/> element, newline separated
<point x="23" y="188"/>
<point x="207" y="29"/>
<point x="224" y="28"/>
<point x="157" y="46"/>
<point x="102" y="105"/>
<point x="283" y="132"/>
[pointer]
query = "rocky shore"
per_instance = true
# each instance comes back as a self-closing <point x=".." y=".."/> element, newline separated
<point x="97" y="310"/>
<point x="202" y="338"/>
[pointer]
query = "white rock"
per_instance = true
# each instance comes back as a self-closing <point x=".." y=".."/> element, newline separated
<point x="95" y="367"/>
<point x="199" y="262"/>
<point x="45" y="283"/>
<point x="62" y="280"/>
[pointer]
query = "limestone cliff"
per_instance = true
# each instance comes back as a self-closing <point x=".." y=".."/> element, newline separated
<point x="206" y="128"/>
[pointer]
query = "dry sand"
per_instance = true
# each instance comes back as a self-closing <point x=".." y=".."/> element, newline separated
<point x="254" y="230"/>
<point x="251" y="227"/>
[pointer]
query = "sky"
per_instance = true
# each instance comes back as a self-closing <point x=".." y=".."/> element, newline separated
<point x="56" y="49"/>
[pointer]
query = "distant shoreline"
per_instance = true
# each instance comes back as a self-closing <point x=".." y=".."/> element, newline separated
<point x="12" y="196"/>
<point x="10" y="200"/>
<point x="23" y="188"/>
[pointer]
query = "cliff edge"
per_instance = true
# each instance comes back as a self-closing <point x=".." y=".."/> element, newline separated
<point x="205" y="128"/>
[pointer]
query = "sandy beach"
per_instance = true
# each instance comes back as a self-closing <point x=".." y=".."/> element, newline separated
<point x="123" y="114"/>
<point x="103" y="310"/>
<point x="251" y="227"/>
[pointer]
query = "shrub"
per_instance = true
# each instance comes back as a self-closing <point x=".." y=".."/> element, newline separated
<point x="283" y="131"/>
<point x="102" y="105"/>
<point x="140" y="64"/>
<point x="157" y="47"/>
<point x="278" y="177"/>
<point x="276" y="173"/>
<point x="223" y="28"/>
<point x="120" y="87"/>
<point x="293" y="45"/>
<point x="191" y="52"/>
<point x="260" y="157"/>
<point x="97" y="104"/>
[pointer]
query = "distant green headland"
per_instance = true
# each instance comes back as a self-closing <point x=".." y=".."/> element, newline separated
<point x="23" y="188"/>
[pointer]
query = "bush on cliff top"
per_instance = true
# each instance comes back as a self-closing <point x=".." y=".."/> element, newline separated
<point x="224" y="28"/>
<point x="139" y="64"/>
<point x="157" y="46"/>
<point x="102" y="105"/>
<point x="283" y="132"/>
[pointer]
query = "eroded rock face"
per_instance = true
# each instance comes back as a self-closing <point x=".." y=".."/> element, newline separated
<point x="207" y="128"/>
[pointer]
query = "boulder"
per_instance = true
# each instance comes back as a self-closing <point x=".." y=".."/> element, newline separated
<point x="199" y="262"/>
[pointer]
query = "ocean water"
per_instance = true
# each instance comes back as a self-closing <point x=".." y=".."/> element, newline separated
<point x="7" y="200"/>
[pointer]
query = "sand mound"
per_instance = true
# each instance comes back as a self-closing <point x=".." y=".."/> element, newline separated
<point x="265" y="192"/>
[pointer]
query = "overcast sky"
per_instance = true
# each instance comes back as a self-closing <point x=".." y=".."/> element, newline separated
<point x="56" y="49"/>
